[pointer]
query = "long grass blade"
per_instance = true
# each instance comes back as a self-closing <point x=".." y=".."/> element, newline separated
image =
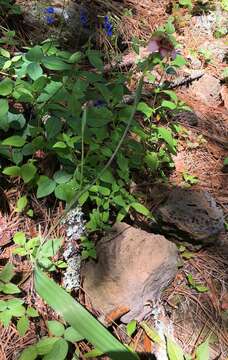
<point x="80" y="319"/>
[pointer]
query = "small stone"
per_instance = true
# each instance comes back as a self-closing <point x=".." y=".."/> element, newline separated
<point x="133" y="267"/>
<point x="191" y="213"/>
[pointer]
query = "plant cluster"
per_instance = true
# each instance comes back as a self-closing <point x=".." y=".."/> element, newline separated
<point x="60" y="124"/>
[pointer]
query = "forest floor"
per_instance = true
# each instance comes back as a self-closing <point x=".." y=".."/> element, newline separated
<point x="201" y="152"/>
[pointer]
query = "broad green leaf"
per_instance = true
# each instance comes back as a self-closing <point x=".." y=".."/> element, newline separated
<point x="34" y="71"/>
<point x="19" y="238"/>
<point x="18" y="310"/>
<point x="131" y="327"/>
<point x="15" y="140"/>
<point x="141" y="209"/>
<point x="171" y="94"/>
<point x="31" y="312"/>
<point x="5" y="53"/>
<point x="174" y="351"/>
<point x="151" y="333"/>
<point x="12" y="303"/>
<point x="28" y="172"/>
<point x="29" y="353"/>
<point x="59" y="351"/>
<point x="95" y="59"/>
<point x="5" y="317"/>
<point x="55" y="328"/>
<point x="179" y="61"/>
<point x="4" y="107"/>
<point x="45" y="345"/>
<point x="12" y="171"/>
<point x="66" y="191"/>
<point x="50" y="247"/>
<point x="35" y="54"/>
<point x="55" y="63"/>
<point x="225" y="162"/>
<point x="59" y="145"/>
<point x="107" y="176"/>
<point x="152" y="161"/>
<point x="3" y="305"/>
<point x="83" y="198"/>
<point x="79" y="318"/>
<point x="202" y="351"/>
<point x="23" y="325"/>
<point x="6" y="87"/>
<point x="61" y="177"/>
<point x="168" y="104"/>
<point x="75" y="57"/>
<point x="166" y="135"/>
<point x="21" y="203"/>
<point x="72" y="335"/>
<point x="145" y="109"/>
<point x="7" y="273"/>
<point x="10" y="289"/>
<point x="45" y="186"/>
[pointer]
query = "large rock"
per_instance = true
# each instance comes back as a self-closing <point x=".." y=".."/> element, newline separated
<point x="207" y="89"/>
<point x="191" y="214"/>
<point x="133" y="268"/>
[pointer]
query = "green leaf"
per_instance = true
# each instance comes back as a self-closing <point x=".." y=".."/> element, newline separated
<point x="10" y="289"/>
<point x="21" y="203"/>
<point x="7" y="273"/>
<point x="75" y="57"/>
<point x="31" y="312"/>
<point x="6" y="87"/>
<point x="79" y="318"/>
<point x="141" y="209"/>
<point x="72" y="335"/>
<point x="50" y="247"/>
<point x="17" y="311"/>
<point x="152" y="161"/>
<point x="169" y="27"/>
<point x="5" y="317"/>
<point x="3" y="305"/>
<point x="29" y="353"/>
<point x="171" y="94"/>
<point x="131" y="327"/>
<point x="28" y="172"/>
<point x="59" y="145"/>
<point x="5" y="53"/>
<point x="202" y="351"/>
<point x="45" y="345"/>
<point x="107" y="176"/>
<point x="15" y="140"/>
<point x="93" y="354"/>
<point x="23" y="325"/>
<point x="59" y="351"/>
<point x="12" y="303"/>
<point x="34" y="71"/>
<point x="225" y="162"/>
<point x="19" y="238"/>
<point x="151" y="333"/>
<point x="83" y="198"/>
<point x="12" y="171"/>
<point x="174" y="351"/>
<point x="145" y="109"/>
<point x="55" y="328"/>
<point x="55" y="63"/>
<point x="35" y="54"/>
<point x="4" y="107"/>
<point x="45" y="186"/>
<point x="179" y="61"/>
<point x="166" y="135"/>
<point x="168" y="104"/>
<point x="61" y="177"/>
<point x="95" y="59"/>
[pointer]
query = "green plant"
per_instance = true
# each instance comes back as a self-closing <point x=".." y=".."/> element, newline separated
<point x="6" y="275"/>
<point x="206" y="54"/>
<point x="186" y="3"/>
<point x="8" y="7"/>
<point x="196" y="285"/>
<point x="190" y="179"/>
<point x="43" y="252"/>
<point x="76" y="121"/>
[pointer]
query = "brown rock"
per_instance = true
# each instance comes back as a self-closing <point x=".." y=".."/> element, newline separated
<point x="133" y="268"/>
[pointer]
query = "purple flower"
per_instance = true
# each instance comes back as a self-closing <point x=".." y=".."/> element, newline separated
<point x="49" y="10"/>
<point x="50" y="20"/>
<point x="84" y="18"/>
<point x="161" y="44"/>
<point x="99" y="103"/>
<point x="108" y="26"/>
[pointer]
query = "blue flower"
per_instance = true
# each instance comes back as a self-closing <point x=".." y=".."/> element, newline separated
<point x="108" y="26"/>
<point x="50" y="20"/>
<point x="99" y="103"/>
<point x="49" y="10"/>
<point x="84" y="18"/>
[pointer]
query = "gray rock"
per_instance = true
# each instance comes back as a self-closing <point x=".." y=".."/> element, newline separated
<point x="191" y="213"/>
<point x="207" y="89"/>
<point x="133" y="268"/>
